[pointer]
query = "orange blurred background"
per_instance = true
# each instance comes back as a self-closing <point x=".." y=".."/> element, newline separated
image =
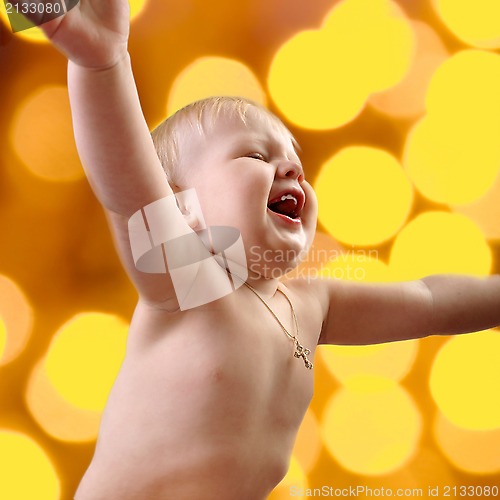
<point x="396" y="106"/>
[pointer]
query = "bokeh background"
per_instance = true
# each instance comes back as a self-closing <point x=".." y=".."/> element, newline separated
<point x="396" y="106"/>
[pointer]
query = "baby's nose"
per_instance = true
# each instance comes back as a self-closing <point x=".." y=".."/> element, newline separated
<point x="290" y="170"/>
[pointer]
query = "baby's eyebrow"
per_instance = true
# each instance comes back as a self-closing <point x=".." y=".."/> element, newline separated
<point x="245" y="137"/>
<point x="274" y="144"/>
<point x="270" y="144"/>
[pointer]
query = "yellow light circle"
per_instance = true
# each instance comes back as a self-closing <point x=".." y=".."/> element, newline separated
<point x="317" y="97"/>
<point x="214" y="76"/>
<point x="371" y="429"/>
<point x="439" y="242"/>
<point x="466" y="86"/>
<point x="427" y="467"/>
<point x="465" y="380"/>
<point x="364" y="196"/>
<point x="84" y="358"/>
<point x="476" y="23"/>
<point x="485" y="211"/>
<point x="375" y="41"/>
<point x="308" y="442"/>
<point x="136" y="7"/>
<point x="362" y="47"/>
<point x="449" y="162"/>
<point x="475" y="452"/>
<point x="25" y="469"/>
<point x="357" y="265"/>
<point x="55" y="415"/>
<point x="16" y="320"/>
<point x="453" y="154"/>
<point x="42" y="135"/>
<point x="392" y="360"/>
<point x="407" y="98"/>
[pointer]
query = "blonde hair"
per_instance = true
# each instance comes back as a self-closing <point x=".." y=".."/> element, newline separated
<point x="201" y="117"/>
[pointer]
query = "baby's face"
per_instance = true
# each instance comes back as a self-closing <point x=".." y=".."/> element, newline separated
<point x="250" y="177"/>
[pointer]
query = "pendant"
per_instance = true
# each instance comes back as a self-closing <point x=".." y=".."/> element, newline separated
<point x="302" y="352"/>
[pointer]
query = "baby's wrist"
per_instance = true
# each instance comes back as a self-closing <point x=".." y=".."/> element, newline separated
<point x="122" y="58"/>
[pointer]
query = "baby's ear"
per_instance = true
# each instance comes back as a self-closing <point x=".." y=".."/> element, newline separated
<point x="190" y="208"/>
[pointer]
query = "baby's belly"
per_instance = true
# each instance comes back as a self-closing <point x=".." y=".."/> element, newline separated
<point x="214" y="474"/>
<point x="192" y="418"/>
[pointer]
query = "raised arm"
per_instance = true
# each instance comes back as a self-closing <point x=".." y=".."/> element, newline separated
<point x="111" y="133"/>
<point x="357" y="314"/>
<point x="113" y="139"/>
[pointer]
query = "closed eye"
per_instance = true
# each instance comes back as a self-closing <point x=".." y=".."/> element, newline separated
<point x="256" y="156"/>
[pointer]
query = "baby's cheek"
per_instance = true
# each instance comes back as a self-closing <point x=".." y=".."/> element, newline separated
<point x="311" y="205"/>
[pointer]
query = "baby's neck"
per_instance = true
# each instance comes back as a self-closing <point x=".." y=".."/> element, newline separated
<point x="265" y="287"/>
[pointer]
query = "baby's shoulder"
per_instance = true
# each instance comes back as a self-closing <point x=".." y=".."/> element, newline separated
<point x="308" y="291"/>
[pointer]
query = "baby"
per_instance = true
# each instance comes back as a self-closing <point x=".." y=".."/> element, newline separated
<point x="219" y="366"/>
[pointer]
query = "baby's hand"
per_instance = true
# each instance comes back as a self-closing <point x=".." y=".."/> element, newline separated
<point x="93" y="34"/>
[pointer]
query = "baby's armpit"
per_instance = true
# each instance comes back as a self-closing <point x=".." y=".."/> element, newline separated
<point x="201" y="264"/>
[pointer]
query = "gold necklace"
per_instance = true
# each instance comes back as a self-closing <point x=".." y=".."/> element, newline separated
<point x="300" y="351"/>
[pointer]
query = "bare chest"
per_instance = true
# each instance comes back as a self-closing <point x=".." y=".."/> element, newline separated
<point x="222" y="387"/>
<point x="233" y="356"/>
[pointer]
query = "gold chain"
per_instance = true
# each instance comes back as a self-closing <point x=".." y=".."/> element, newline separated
<point x="300" y="351"/>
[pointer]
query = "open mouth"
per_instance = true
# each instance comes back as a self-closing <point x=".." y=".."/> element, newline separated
<point x="288" y="203"/>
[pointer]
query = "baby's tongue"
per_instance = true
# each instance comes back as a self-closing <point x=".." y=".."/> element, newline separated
<point x="283" y="207"/>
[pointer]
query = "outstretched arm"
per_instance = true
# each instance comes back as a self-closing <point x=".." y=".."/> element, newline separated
<point x="111" y="133"/>
<point x="357" y="314"/>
